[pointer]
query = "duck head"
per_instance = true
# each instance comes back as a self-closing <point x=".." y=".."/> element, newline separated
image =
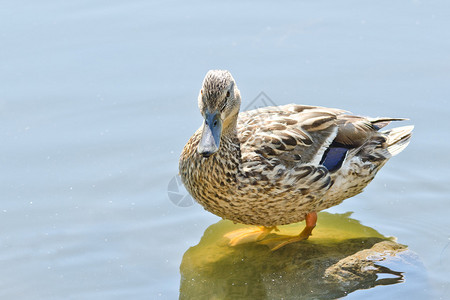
<point x="219" y="102"/>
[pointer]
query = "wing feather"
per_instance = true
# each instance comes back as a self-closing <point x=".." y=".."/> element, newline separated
<point x="302" y="134"/>
<point x="292" y="133"/>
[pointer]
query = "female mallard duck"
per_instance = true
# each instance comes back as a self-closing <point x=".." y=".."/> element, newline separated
<point x="280" y="165"/>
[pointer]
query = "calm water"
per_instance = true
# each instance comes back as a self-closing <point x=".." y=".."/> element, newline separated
<point x="97" y="99"/>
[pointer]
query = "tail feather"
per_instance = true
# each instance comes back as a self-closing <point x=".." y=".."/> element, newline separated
<point x="379" y="123"/>
<point x="398" y="139"/>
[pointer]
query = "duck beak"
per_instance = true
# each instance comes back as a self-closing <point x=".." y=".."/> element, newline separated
<point x="212" y="129"/>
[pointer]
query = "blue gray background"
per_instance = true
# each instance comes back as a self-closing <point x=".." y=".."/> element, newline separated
<point x="97" y="99"/>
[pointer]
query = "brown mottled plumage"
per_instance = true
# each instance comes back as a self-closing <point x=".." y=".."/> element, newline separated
<point x="274" y="166"/>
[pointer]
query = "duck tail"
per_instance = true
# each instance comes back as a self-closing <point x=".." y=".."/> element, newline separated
<point x="379" y="123"/>
<point x="397" y="139"/>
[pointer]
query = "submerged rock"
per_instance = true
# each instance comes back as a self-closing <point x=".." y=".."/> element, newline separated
<point x="342" y="256"/>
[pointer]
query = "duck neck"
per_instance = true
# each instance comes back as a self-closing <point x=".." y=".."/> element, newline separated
<point x="230" y="150"/>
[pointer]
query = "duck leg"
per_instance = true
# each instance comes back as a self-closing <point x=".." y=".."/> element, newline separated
<point x="248" y="234"/>
<point x="277" y="243"/>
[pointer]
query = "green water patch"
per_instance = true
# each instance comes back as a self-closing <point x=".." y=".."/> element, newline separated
<point x="340" y="257"/>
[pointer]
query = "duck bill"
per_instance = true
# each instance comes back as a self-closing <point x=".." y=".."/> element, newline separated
<point x="212" y="130"/>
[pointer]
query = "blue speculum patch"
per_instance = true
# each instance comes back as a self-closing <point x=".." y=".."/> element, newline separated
<point x="333" y="158"/>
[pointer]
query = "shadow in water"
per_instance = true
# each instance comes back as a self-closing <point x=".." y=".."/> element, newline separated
<point x="340" y="257"/>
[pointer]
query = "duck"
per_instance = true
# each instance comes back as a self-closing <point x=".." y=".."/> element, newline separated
<point x="280" y="165"/>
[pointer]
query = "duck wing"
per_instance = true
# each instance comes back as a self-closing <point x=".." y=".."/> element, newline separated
<point x="355" y="131"/>
<point x="305" y="134"/>
<point x="291" y="133"/>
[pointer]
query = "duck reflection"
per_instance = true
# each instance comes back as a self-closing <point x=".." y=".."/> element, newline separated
<point x="341" y="257"/>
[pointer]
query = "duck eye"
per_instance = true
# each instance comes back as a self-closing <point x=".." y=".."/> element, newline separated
<point x="228" y="94"/>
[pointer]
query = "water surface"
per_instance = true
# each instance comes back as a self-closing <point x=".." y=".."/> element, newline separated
<point x="97" y="99"/>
